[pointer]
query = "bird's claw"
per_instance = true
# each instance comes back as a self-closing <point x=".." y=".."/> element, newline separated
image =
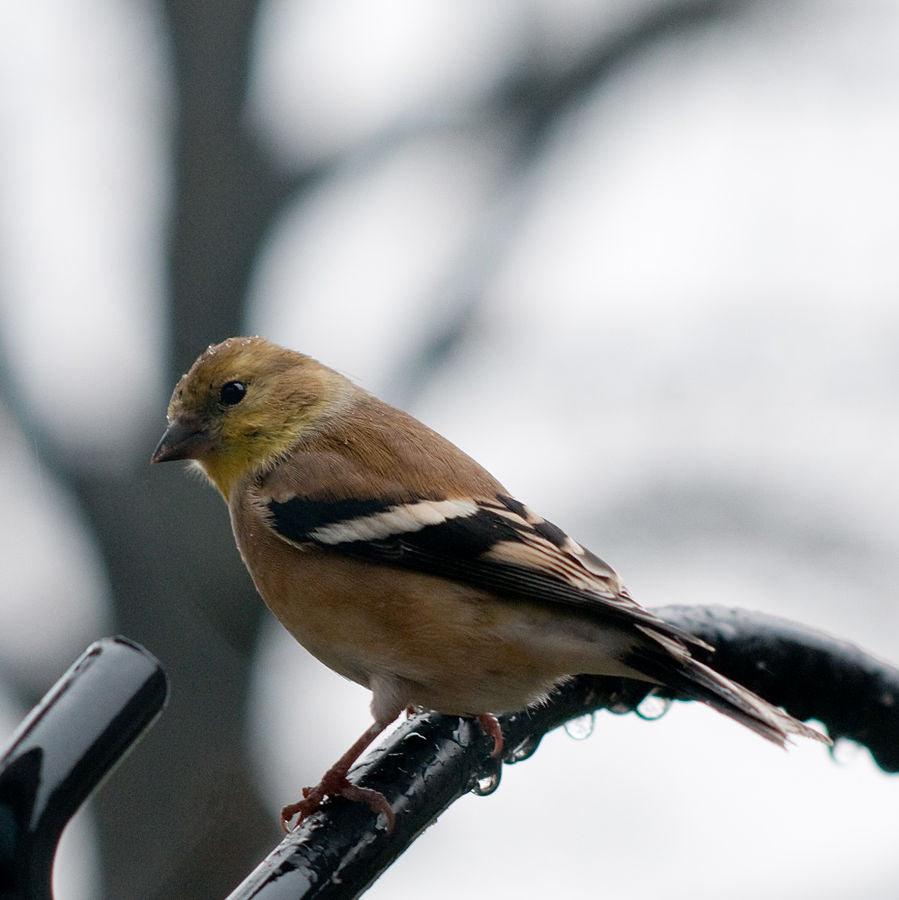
<point x="314" y="797"/>
<point x="490" y="725"/>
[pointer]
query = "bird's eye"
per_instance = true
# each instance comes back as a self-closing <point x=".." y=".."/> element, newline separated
<point x="232" y="392"/>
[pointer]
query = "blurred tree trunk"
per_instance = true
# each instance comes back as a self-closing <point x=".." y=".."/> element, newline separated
<point x="188" y="585"/>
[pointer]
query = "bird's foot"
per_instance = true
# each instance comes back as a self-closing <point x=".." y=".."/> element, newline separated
<point x="335" y="785"/>
<point x="491" y="727"/>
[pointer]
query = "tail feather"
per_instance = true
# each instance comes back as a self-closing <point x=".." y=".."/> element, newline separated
<point x="678" y="670"/>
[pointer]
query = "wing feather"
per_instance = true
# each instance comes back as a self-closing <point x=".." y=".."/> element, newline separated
<point x="496" y="543"/>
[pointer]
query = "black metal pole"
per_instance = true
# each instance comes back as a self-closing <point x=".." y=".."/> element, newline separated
<point x="68" y="743"/>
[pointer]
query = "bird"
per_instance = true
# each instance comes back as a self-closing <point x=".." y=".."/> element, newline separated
<point x="405" y="566"/>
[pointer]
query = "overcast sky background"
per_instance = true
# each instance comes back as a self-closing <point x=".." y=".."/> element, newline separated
<point x="684" y="352"/>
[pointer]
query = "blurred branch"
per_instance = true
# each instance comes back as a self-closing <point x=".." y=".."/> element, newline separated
<point x="432" y="760"/>
<point x="543" y="97"/>
<point x="532" y="102"/>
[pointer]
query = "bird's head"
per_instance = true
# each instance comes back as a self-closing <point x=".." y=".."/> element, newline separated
<point x="243" y="404"/>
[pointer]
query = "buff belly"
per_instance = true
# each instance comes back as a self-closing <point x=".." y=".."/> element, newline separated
<point x="458" y="651"/>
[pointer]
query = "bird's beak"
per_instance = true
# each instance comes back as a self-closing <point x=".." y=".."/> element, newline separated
<point x="183" y="439"/>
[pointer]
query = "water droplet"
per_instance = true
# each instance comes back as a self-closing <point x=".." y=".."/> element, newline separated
<point x="486" y="783"/>
<point x="845" y="751"/>
<point x="580" y="728"/>
<point x="524" y="750"/>
<point x="653" y="707"/>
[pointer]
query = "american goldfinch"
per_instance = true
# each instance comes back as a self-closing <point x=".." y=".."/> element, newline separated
<point x="405" y="566"/>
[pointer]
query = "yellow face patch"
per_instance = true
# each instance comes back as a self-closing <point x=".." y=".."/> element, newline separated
<point x="252" y="401"/>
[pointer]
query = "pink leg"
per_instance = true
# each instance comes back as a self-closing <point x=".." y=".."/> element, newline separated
<point x="334" y="784"/>
<point x="490" y="724"/>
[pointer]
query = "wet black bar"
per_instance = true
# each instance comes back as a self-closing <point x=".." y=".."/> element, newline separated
<point x="62" y="750"/>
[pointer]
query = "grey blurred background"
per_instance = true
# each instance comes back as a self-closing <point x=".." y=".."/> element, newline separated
<point x="641" y="259"/>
